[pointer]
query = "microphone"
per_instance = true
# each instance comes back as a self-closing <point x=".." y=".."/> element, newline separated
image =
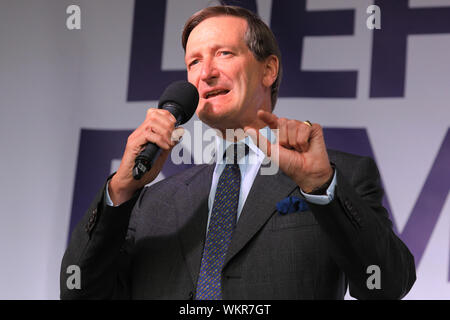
<point x="181" y="99"/>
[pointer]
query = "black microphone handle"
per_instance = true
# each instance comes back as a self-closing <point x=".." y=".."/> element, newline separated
<point x="144" y="161"/>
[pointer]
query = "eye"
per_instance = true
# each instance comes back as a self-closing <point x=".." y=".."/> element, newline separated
<point x="193" y="63"/>
<point x="225" y="53"/>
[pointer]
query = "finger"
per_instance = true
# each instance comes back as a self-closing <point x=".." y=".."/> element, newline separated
<point x="304" y="136"/>
<point x="299" y="134"/>
<point x="162" y="130"/>
<point x="157" y="139"/>
<point x="161" y="118"/>
<point x="160" y="114"/>
<point x="283" y="133"/>
<point x="316" y="131"/>
<point x="293" y="134"/>
<point x="269" y="118"/>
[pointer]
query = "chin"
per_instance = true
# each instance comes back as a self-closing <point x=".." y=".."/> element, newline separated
<point x="211" y="115"/>
<point x="211" y="119"/>
<point x="217" y="120"/>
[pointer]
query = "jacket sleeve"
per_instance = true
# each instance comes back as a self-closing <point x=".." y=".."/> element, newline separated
<point x="359" y="234"/>
<point x="99" y="249"/>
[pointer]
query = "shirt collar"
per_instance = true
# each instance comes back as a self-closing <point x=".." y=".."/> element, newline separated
<point x="222" y="145"/>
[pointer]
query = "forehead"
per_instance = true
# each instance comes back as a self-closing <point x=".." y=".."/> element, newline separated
<point x="217" y="30"/>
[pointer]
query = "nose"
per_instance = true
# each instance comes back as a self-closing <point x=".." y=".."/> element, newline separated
<point x="209" y="71"/>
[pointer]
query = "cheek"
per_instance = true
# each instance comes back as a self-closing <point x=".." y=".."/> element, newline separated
<point x="247" y="85"/>
<point x="191" y="81"/>
<point x="193" y="78"/>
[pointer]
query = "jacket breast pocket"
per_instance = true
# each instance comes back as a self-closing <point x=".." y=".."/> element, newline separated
<point x="293" y="220"/>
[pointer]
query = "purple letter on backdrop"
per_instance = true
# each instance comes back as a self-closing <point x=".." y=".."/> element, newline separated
<point x="291" y="22"/>
<point x="428" y="207"/>
<point x="389" y="43"/>
<point x="146" y="79"/>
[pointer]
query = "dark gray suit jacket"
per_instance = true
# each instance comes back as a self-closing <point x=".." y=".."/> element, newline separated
<point x="151" y="246"/>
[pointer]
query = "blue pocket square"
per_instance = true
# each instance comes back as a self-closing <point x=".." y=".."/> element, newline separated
<point x="292" y="204"/>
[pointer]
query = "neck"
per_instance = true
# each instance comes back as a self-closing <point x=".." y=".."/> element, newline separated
<point x="236" y="133"/>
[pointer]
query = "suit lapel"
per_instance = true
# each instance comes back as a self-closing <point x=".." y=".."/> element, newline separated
<point x="192" y="217"/>
<point x="192" y="212"/>
<point x="261" y="202"/>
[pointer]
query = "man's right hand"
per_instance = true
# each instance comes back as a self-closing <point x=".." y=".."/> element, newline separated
<point x="159" y="128"/>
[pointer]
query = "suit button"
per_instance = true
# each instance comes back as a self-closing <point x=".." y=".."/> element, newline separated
<point x="191" y="295"/>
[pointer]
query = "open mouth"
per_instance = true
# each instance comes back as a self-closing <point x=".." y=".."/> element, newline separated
<point x="216" y="93"/>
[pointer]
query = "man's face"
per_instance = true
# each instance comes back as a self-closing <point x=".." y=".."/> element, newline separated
<point x="227" y="75"/>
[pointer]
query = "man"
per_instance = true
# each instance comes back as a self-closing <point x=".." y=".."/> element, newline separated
<point x="214" y="231"/>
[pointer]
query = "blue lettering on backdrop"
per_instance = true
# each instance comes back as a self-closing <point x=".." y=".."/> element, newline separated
<point x="291" y="22"/>
<point x="146" y="79"/>
<point x="389" y="43"/>
<point x="96" y="150"/>
<point x="428" y="207"/>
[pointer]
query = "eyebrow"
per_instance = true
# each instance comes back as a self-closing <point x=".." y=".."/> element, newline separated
<point x="214" y="47"/>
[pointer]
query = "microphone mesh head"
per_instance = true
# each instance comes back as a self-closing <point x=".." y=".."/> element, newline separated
<point x="183" y="94"/>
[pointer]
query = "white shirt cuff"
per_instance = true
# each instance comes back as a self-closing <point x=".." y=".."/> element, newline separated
<point x="107" y="197"/>
<point x="325" y="199"/>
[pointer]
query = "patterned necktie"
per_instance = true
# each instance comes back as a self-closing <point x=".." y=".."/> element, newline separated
<point x="220" y="230"/>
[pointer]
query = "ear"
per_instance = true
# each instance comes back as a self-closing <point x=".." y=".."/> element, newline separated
<point x="271" y="66"/>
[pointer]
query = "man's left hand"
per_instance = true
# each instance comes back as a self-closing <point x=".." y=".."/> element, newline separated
<point x="301" y="154"/>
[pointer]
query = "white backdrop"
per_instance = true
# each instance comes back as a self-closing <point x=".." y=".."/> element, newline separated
<point x="55" y="82"/>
